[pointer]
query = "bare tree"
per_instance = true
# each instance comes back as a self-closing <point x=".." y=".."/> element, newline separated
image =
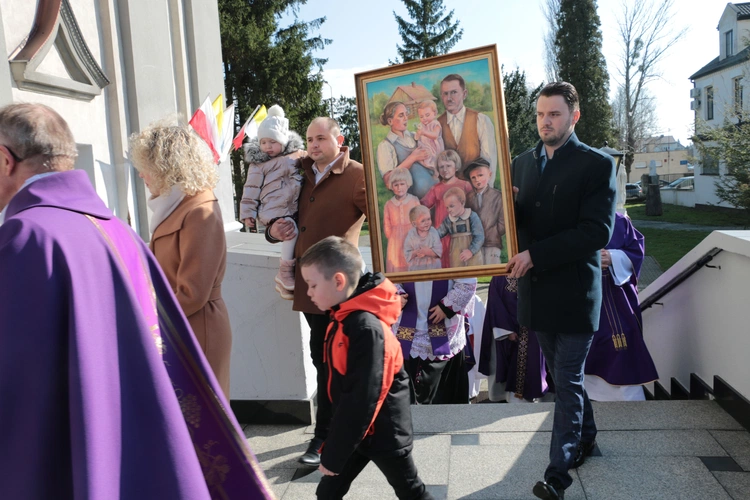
<point x="644" y="120"/>
<point x="551" y="11"/>
<point x="646" y="34"/>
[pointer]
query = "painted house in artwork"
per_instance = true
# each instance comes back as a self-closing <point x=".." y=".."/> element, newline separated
<point x="411" y="96"/>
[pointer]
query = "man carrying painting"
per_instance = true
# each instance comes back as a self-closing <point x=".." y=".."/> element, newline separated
<point x="565" y="209"/>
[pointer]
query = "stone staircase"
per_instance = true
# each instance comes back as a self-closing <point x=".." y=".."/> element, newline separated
<point x="659" y="449"/>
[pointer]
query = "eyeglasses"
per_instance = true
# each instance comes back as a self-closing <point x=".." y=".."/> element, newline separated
<point x="14" y="155"/>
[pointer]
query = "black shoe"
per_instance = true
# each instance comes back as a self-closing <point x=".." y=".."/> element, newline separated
<point x="311" y="458"/>
<point x="551" y="489"/>
<point x="584" y="450"/>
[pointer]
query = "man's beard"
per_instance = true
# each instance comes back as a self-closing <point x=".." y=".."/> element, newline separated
<point x="556" y="139"/>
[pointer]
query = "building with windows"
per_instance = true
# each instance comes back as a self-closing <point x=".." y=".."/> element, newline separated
<point x="671" y="159"/>
<point x="718" y="91"/>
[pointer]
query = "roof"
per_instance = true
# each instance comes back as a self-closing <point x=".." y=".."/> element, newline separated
<point x="743" y="11"/>
<point x="415" y="92"/>
<point x="716" y="65"/>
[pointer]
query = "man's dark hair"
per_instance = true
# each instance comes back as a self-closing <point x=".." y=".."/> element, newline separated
<point x="455" y="77"/>
<point x="332" y="255"/>
<point x="563" y="89"/>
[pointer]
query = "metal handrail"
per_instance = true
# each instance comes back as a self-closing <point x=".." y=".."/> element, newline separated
<point x="685" y="274"/>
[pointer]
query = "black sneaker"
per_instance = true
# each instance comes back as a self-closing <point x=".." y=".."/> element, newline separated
<point x="584" y="450"/>
<point x="311" y="458"/>
<point x="551" y="489"/>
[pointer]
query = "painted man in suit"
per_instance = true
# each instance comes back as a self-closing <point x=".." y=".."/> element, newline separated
<point x="465" y="130"/>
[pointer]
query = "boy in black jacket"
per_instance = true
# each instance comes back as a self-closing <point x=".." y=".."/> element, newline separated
<point x="366" y="384"/>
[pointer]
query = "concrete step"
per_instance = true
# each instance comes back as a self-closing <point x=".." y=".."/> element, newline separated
<point x="653" y="449"/>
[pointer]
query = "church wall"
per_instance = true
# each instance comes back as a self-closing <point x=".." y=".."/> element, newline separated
<point x="162" y="59"/>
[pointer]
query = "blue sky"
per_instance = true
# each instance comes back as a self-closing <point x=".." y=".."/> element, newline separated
<point x="477" y="71"/>
<point x="365" y="36"/>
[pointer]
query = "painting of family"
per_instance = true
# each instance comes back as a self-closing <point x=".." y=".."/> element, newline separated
<point x="437" y="166"/>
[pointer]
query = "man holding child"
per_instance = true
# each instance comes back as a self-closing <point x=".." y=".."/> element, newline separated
<point x="332" y="203"/>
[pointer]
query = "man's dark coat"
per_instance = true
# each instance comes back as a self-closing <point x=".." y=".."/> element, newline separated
<point x="564" y="217"/>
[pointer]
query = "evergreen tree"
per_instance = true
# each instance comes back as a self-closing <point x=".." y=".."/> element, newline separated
<point x="265" y="64"/>
<point x="432" y="32"/>
<point x="346" y="116"/>
<point x="581" y="63"/>
<point x="520" y="111"/>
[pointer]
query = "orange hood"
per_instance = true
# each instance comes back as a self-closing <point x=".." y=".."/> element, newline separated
<point x="375" y="294"/>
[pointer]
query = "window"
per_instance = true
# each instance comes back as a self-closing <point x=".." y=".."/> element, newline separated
<point x="738" y="95"/>
<point x="729" y="43"/>
<point x="710" y="164"/>
<point x="709" y="103"/>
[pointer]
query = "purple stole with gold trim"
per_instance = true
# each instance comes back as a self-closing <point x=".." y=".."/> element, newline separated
<point x="229" y="468"/>
<point x="408" y="325"/>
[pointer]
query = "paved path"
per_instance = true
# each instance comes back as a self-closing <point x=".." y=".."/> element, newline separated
<point x="691" y="450"/>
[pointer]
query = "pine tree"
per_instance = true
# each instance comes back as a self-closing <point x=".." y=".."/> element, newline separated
<point x="432" y="32"/>
<point x="265" y="64"/>
<point x="346" y="116"/>
<point x="581" y="63"/>
<point x="520" y="111"/>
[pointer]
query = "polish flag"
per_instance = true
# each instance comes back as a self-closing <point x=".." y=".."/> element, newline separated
<point x="204" y="124"/>
<point x="227" y="129"/>
<point x="250" y="128"/>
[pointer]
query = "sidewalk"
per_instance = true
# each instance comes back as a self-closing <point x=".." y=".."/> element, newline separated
<point x="691" y="450"/>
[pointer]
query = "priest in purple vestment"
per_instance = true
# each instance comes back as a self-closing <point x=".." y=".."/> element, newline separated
<point x="104" y="392"/>
<point x="618" y="363"/>
<point x="510" y="354"/>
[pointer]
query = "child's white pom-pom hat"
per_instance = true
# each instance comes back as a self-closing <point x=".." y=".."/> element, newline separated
<point x="275" y="126"/>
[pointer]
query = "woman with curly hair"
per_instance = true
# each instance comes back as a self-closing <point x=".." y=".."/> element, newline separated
<point x="188" y="232"/>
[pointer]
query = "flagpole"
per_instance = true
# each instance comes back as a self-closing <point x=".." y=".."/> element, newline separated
<point x="253" y="113"/>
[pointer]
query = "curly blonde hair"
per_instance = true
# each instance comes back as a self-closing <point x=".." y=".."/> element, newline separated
<point x="173" y="155"/>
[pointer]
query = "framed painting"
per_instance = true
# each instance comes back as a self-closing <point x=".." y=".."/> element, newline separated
<point x="437" y="166"/>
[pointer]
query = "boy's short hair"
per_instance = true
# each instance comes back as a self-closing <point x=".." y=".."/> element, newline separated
<point x="417" y="211"/>
<point x="458" y="193"/>
<point x="475" y="164"/>
<point x="400" y="174"/>
<point x="450" y="155"/>
<point x="332" y="255"/>
<point x="429" y="103"/>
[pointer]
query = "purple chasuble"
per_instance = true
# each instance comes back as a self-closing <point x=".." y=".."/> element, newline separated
<point x="408" y="324"/>
<point x="519" y="364"/>
<point x="105" y="392"/>
<point x="618" y="352"/>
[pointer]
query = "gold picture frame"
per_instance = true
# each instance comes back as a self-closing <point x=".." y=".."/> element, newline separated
<point x="407" y="117"/>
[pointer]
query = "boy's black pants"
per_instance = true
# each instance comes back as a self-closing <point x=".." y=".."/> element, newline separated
<point x="401" y="473"/>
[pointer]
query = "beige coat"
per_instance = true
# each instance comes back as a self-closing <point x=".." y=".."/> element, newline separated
<point x="191" y="248"/>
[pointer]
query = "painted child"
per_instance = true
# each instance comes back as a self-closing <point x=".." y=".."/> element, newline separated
<point x="396" y="222"/>
<point x="429" y="133"/>
<point x="465" y="230"/>
<point x="448" y="164"/>
<point x="487" y="203"/>
<point x="368" y="387"/>
<point x="273" y="185"/>
<point x="422" y="246"/>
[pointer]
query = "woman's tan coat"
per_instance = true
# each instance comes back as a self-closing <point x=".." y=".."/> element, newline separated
<point x="191" y="248"/>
